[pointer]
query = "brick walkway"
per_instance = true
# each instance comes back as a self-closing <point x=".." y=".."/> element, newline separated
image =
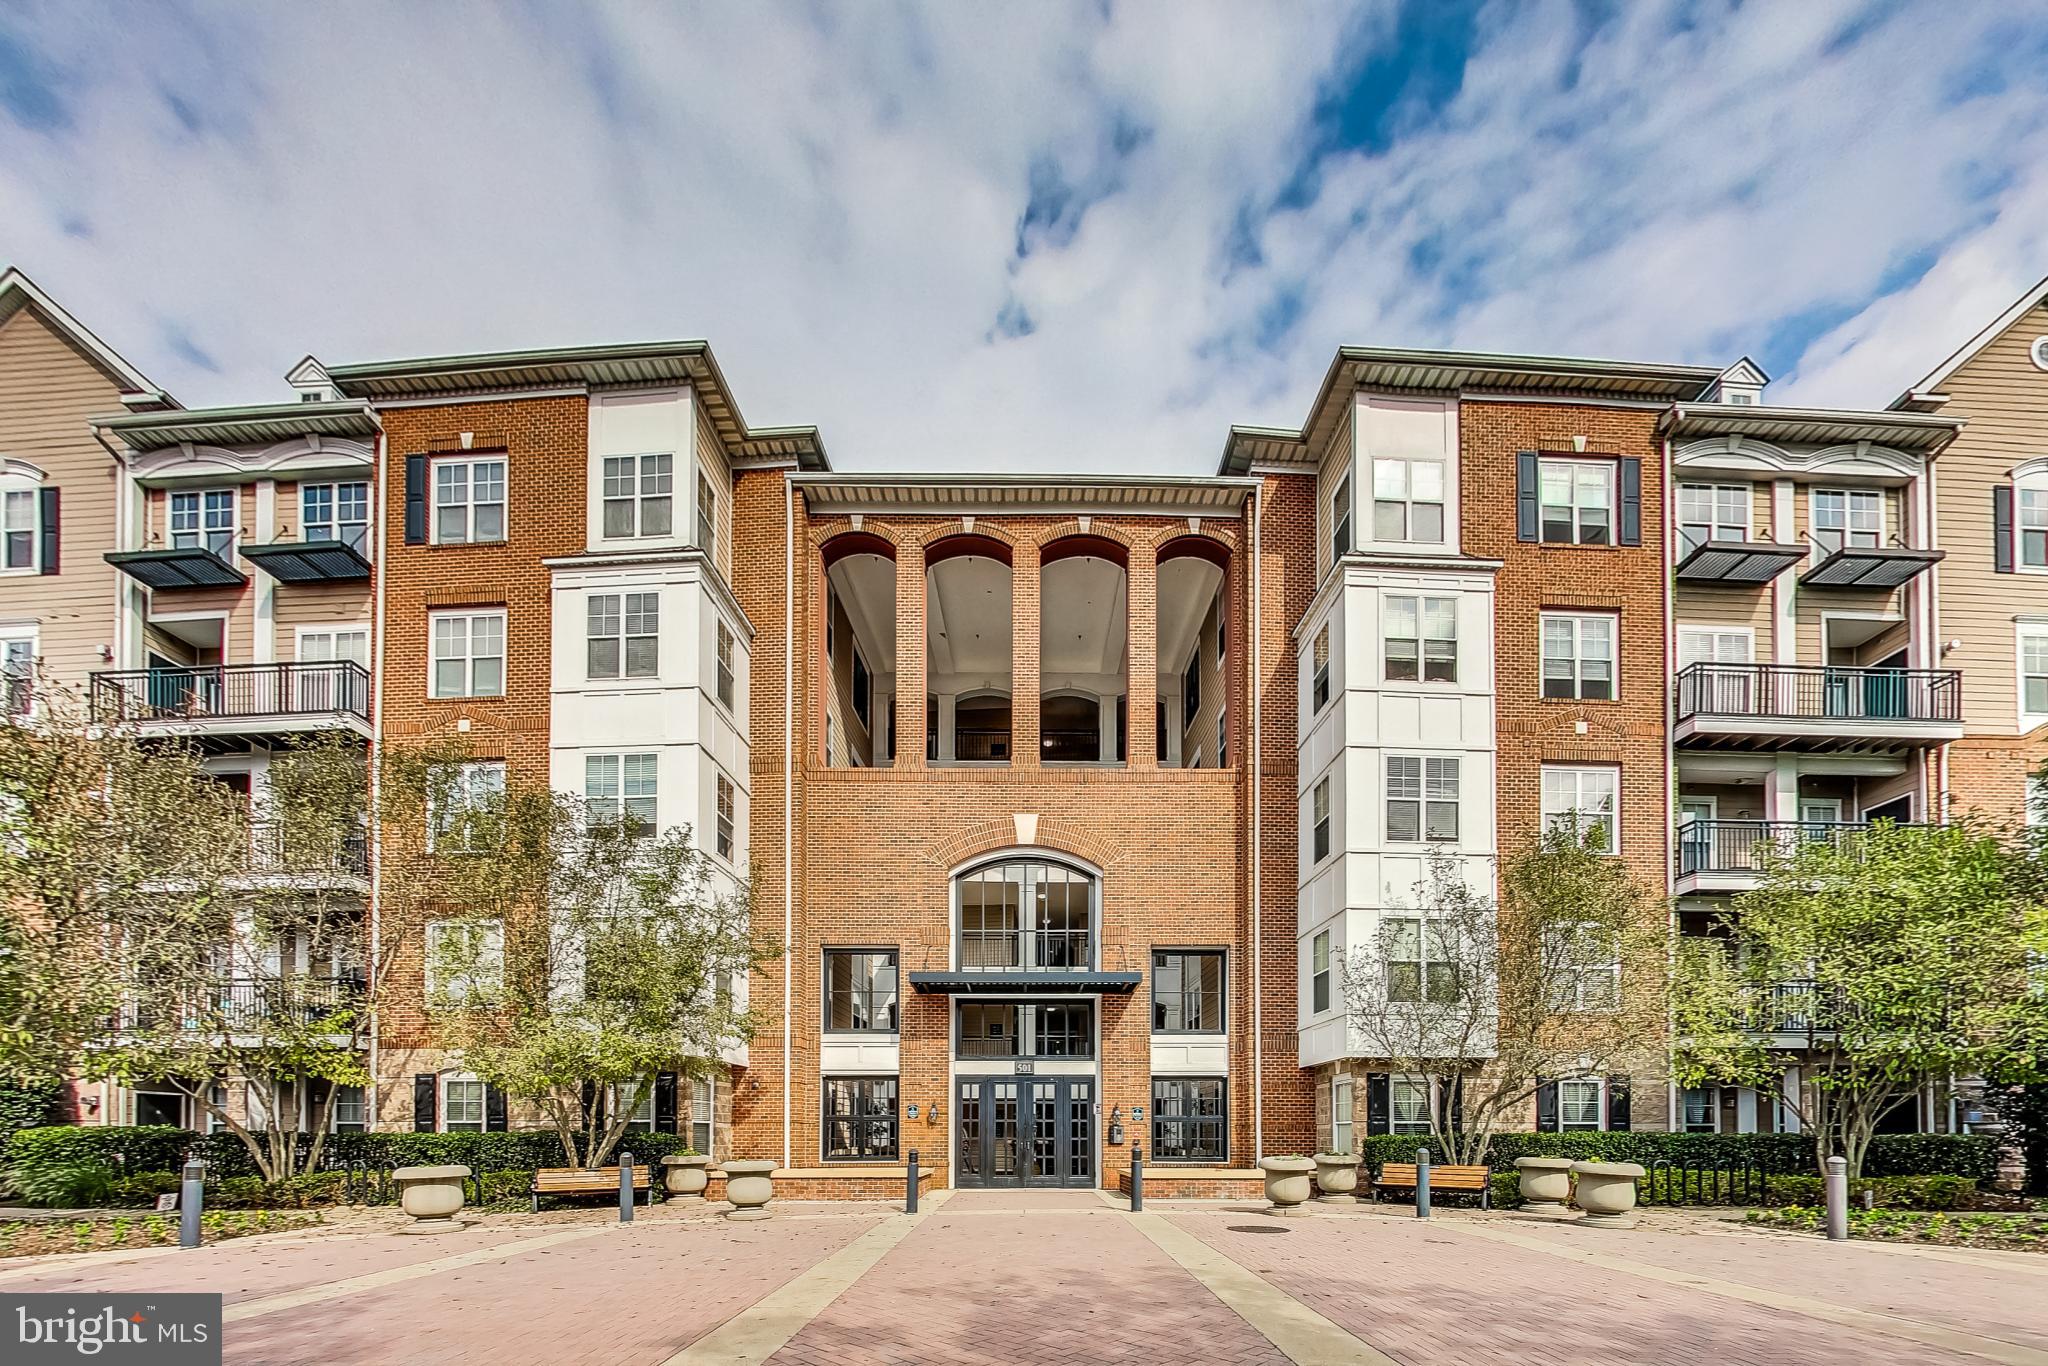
<point x="1068" y="1277"/>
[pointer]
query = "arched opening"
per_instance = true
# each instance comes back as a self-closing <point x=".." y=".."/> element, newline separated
<point x="1193" y="726"/>
<point x="967" y="651"/>
<point x="1025" y="912"/>
<point x="1083" y="650"/>
<point x="859" y="663"/>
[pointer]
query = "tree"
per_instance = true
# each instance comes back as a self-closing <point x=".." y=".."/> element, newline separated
<point x="1562" y="978"/>
<point x="573" y="953"/>
<point x="1876" y="964"/>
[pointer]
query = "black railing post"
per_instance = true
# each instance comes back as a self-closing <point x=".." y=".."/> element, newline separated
<point x="910" y="1185"/>
<point x="1137" y="1177"/>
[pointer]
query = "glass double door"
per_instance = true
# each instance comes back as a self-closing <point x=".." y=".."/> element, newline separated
<point x="1025" y="1131"/>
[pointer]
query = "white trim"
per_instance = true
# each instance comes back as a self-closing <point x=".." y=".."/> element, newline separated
<point x="2022" y="632"/>
<point x="1576" y="617"/>
<point x="469" y="504"/>
<point x="469" y="655"/>
<point x="15" y="478"/>
<point x="331" y="628"/>
<point x="1543" y="816"/>
<point x="2037" y="352"/>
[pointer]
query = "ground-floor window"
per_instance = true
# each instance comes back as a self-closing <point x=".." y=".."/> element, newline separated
<point x="1340" y="1115"/>
<point x="462" y="1106"/>
<point x="860" y="1119"/>
<point x="351" y="1111"/>
<point x="160" y="1107"/>
<point x="1697" y="1110"/>
<point x="1189" y="1119"/>
<point x="701" y="1114"/>
<point x="1408" y="1105"/>
<point x="1578" y="1104"/>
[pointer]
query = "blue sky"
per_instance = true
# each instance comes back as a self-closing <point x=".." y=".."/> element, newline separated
<point x="1086" y="236"/>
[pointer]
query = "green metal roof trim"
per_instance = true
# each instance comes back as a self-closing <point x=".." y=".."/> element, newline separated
<point x="169" y="569"/>
<point x="1812" y="426"/>
<point x="232" y="426"/>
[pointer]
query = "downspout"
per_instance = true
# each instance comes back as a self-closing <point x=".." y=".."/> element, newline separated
<point x="1667" y="557"/>
<point x="126" y="538"/>
<point x="788" y="794"/>
<point x="1258" y="955"/>
<point x="376" y="754"/>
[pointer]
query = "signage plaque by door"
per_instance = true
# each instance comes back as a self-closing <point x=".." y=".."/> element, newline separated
<point x="1025" y="1069"/>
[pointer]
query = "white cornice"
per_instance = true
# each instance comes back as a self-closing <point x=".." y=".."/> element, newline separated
<point x="1858" y="459"/>
<point x="298" y="456"/>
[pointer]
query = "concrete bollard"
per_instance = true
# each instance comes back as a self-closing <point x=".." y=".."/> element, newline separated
<point x="191" y="1202"/>
<point x="1838" y="1198"/>
<point x="625" y="1188"/>
<point x="1137" y="1178"/>
<point x="910" y="1185"/>
<point x="1422" y="1183"/>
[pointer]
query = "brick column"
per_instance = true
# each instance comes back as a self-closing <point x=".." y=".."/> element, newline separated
<point x="1024" y="643"/>
<point x="1142" y="658"/>
<point x="910" y="656"/>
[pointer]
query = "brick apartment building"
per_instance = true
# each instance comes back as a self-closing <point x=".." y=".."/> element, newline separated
<point x="1067" y="796"/>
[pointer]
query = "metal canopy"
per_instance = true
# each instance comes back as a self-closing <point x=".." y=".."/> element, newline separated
<point x="191" y="567"/>
<point x="1738" y="562"/>
<point x="308" y="561"/>
<point x="1878" y="568"/>
<point x="979" y="983"/>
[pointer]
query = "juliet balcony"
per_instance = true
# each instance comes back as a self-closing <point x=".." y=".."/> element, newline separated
<point x="1816" y="707"/>
<point x="1732" y="856"/>
<point x="223" y="701"/>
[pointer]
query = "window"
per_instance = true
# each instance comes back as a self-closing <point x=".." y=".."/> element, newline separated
<point x="623" y="638"/>
<point x="1191" y="690"/>
<point x="17" y="675"/>
<point x="204" y="521"/>
<point x="1577" y="501"/>
<point x="621" y="787"/>
<point x="724" y="825"/>
<point x="1187" y="991"/>
<point x="1578" y="1103"/>
<point x="469" y="654"/>
<point x="1582" y="964"/>
<point x="860" y="991"/>
<point x="1408" y="1105"/>
<point x="1696" y="1110"/>
<point x="1421" y="639"/>
<point x="1026" y="1030"/>
<point x="462" y="1105"/>
<point x="336" y="512"/>
<point x="1321" y="688"/>
<point x="326" y="646"/>
<point x="1589" y="795"/>
<point x="860" y="1119"/>
<point x="459" y="797"/>
<point x="2036" y="812"/>
<point x="1189" y="1119"/>
<point x="639" y="496"/>
<point x="1712" y="512"/>
<point x="641" y="1121"/>
<point x="2034" y="673"/>
<point x="469" y="501"/>
<point x="1422" y="799"/>
<point x="1222" y="632"/>
<point x="1340" y="520"/>
<point x="1321" y="808"/>
<point x="1319" y="973"/>
<point x="1578" y="657"/>
<point x="1408" y="500"/>
<point x="18" y="517"/>
<point x="1848" y="517"/>
<point x="1422" y="959"/>
<point x="2033" y="527"/>
<point x="1223" y="737"/>
<point x="1342" y="1105"/>
<point x="351" y="1113"/>
<point x="724" y="665"/>
<point x="863" y="686"/>
<point x="465" y="961"/>
<point x="702" y="1113"/>
<point x="707" y="518"/>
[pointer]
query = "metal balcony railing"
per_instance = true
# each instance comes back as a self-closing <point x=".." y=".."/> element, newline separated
<point x="211" y="692"/>
<point x="1820" y="692"/>
<point x="1047" y="950"/>
<point x="243" y="1002"/>
<point x="977" y="746"/>
<point x="1749" y="846"/>
<point x="1794" y="1006"/>
<point x="1070" y="746"/>
<point x="275" y="847"/>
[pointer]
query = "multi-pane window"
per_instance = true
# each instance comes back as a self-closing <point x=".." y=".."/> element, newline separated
<point x="1319" y="972"/>
<point x="639" y="496"/>
<point x="1848" y="517"/>
<point x="1577" y="498"/>
<point x="724" y="665"/>
<point x="17" y="675"/>
<point x="469" y="654"/>
<point x="1712" y="512"/>
<point x="1223" y="737"/>
<point x="1189" y="1119"/>
<point x="1408" y="1105"/>
<point x="336" y="512"/>
<point x="343" y="643"/>
<point x="2034" y="673"/>
<point x="351" y="1115"/>
<point x="860" y="1119"/>
<point x="1319" y="801"/>
<point x="1002" y="1029"/>
<point x="461" y="797"/>
<point x="621" y="787"/>
<point x="465" y="961"/>
<point x="1187" y="991"/>
<point x="2033" y="527"/>
<point x="723" y="825"/>
<point x="1696" y="1110"/>
<point x="204" y="521"/>
<point x="707" y="518"/>
<point x="1421" y="637"/>
<point x="860" y="991"/>
<point x="1422" y="799"/>
<point x="462" y="1105"/>
<point x="1588" y="795"/>
<point x="469" y="501"/>
<point x="1578" y="656"/>
<point x="623" y="638"/>
<point x="1422" y="959"/>
<point x="1582" y="965"/>
<point x="1408" y="500"/>
<point x="1320" y="690"/>
<point x="702" y="1113"/>
<point x="1578" y="1103"/>
<point x="18" y="515"/>
<point x="1343" y="1103"/>
<point x="1340" y="519"/>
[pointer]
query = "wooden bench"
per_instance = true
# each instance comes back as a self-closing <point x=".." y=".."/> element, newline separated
<point x="588" y="1181"/>
<point x="1401" y="1176"/>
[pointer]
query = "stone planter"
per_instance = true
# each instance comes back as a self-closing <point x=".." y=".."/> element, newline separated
<point x="749" y="1186"/>
<point x="1606" y="1191"/>
<point x="1337" y="1178"/>
<point x="683" y="1178"/>
<point x="1287" y="1183"/>
<point x="432" y="1196"/>
<point x="1546" y="1185"/>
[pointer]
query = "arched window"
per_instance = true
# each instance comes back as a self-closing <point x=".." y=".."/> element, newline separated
<point x="1026" y="912"/>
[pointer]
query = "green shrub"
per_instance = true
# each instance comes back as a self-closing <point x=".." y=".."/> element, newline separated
<point x="1506" y="1189"/>
<point x="1968" y="1155"/>
<point x="119" y="1149"/>
<point x="61" y="1185"/>
<point x="142" y="1189"/>
<point x="24" y="1106"/>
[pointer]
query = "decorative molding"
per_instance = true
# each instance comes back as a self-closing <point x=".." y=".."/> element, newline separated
<point x="1853" y="458"/>
<point x="296" y="455"/>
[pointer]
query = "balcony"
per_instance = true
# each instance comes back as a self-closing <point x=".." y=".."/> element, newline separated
<point x="275" y="849"/>
<point x="244" y="1004"/>
<point x="1795" y="1007"/>
<point x="1731" y="856"/>
<point x="995" y="961"/>
<point x="225" y="700"/>
<point x="1817" y="707"/>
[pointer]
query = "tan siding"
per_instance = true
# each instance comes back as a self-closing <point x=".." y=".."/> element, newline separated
<point x="1811" y="604"/>
<point x="318" y="604"/>
<point x="1732" y="801"/>
<point x="1750" y="607"/>
<point x="711" y="451"/>
<point x="1331" y="468"/>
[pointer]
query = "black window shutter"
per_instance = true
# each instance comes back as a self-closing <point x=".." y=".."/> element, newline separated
<point x="46" y="507"/>
<point x="1528" y="520"/>
<point x="415" y="500"/>
<point x="1631" y="501"/>
<point x="1376" y="1103"/>
<point x="2001" y="529"/>
<point x="665" y="1103"/>
<point x="423" y="1090"/>
<point x="1546" y="1107"/>
<point x="1617" y="1104"/>
<point x="494" y="1110"/>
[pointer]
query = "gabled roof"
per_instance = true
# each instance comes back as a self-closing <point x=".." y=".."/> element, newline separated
<point x="17" y="291"/>
<point x="589" y="367"/>
<point x="1926" y="396"/>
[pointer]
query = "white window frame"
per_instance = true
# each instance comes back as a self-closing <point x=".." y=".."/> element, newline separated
<point x="469" y="657"/>
<point x="1400" y="478"/>
<point x="487" y="983"/>
<point x="1855" y="502"/>
<point x="1581" y="475"/>
<point x="1433" y="944"/>
<point x="471" y="785"/>
<point x="353" y="532"/>
<point x="2029" y="521"/>
<point x="1714" y="524"/>
<point x="1579" y="656"/>
<point x="725" y="811"/>
<point x="707" y="517"/>
<point x="205" y="506"/>
<point x="20" y="491"/>
<point x="2035" y="634"/>
<point x="1579" y="773"/>
<point x="624" y="615"/>
<point x="1599" y="1086"/>
<point x="1344" y="517"/>
<point x="335" y="631"/>
<point x="1322" y="983"/>
<point x="18" y="667"/>
<point x="1343" y="1111"/>
<point x="1569" y="973"/>
<point x="1421" y="610"/>
<point x="645" y="482"/>
<point x="444" y="1105"/>
<point x="620" y="784"/>
<point x="1322" y="811"/>
<point x="1410" y="1083"/>
<point x="1319" y="671"/>
<point x="725" y="685"/>
<point x="469" y="503"/>
<point x="360" y="1124"/>
<point x="1430" y="773"/>
<point x="1716" y="636"/>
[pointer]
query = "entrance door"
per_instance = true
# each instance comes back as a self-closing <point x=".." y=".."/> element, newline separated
<point x="1026" y="1131"/>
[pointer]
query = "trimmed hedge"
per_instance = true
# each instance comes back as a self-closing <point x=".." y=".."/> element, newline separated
<point x="1969" y="1155"/>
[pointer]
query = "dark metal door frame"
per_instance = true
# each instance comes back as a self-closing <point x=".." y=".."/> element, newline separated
<point x="1019" y="1132"/>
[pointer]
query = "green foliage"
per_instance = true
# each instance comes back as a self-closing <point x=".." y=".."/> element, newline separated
<point x="1924" y="1226"/>
<point x="115" y="1148"/>
<point x="1972" y="1156"/>
<point x="1506" y="1189"/>
<point x="61" y="1185"/>
<point x="24" y="1105"/>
